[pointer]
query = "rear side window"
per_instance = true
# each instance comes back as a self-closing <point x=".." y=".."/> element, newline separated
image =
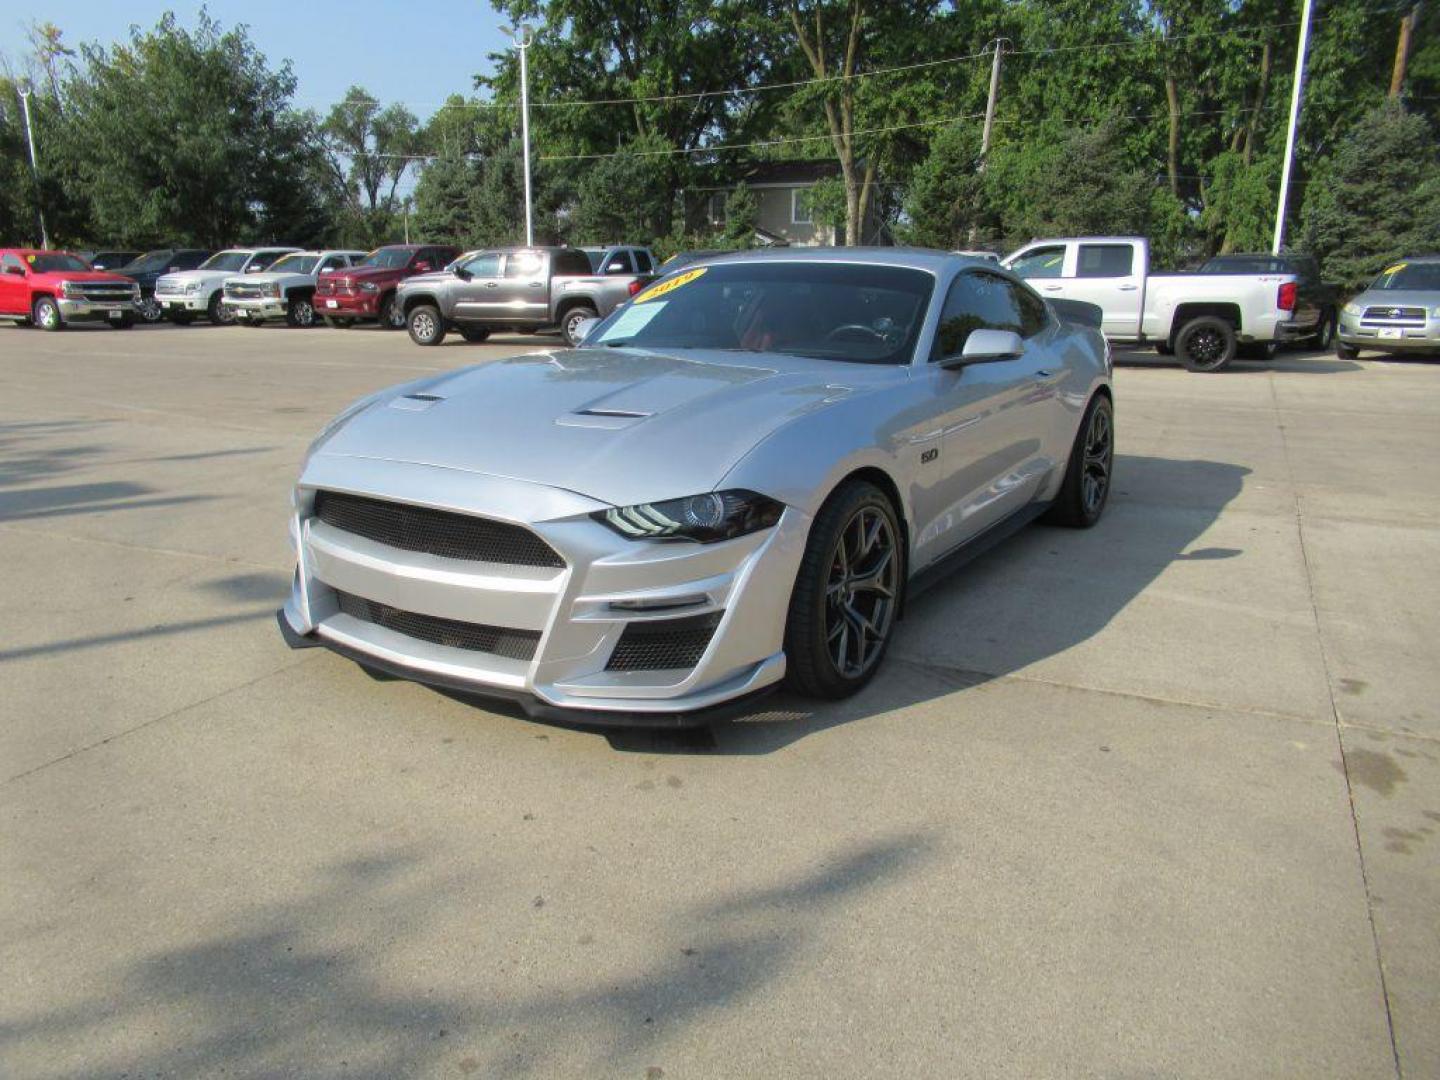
<point x="642" y="262"/>
<point x="1046" y="262"/>
<point x="1105" y="260"/>
<point x="524" y="265"/>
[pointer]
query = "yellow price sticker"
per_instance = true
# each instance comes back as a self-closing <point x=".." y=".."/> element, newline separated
<point x="669" y="286"/>
<point x="30" y="259"/>
<point x="1396" y="268"/>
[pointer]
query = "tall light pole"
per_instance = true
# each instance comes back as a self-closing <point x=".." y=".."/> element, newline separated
<point x="1295" y="93"/>
<point x="25" y="92"/>
<point x="523" y="40"/>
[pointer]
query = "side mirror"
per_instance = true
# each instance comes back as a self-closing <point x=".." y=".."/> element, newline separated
<point x="463" y="274"/>
<point x="583" y="328"/>
<point x="986" y="346"/>
<point x="616" y="268"/>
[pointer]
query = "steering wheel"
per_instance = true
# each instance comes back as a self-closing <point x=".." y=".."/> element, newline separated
<point x="869" y="331"/>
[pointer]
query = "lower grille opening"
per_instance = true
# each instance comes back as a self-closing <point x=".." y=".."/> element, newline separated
<point x="477" y="637"/>
<point x="660" y="644"/>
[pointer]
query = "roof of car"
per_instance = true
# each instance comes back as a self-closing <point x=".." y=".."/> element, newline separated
<point x="930" y="259"/>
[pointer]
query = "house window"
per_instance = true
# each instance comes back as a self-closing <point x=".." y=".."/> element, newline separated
<point x="799" y="209"/>
<point x="717" y="207"/>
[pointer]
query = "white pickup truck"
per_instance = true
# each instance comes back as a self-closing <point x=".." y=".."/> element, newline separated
<point x="286" y="290"/>
<point x="1207" y="320"/>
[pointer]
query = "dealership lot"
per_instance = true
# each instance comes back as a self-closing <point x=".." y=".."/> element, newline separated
<point x="1162" y="798"/>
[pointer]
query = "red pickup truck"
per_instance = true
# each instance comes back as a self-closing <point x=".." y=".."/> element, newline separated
<point x="53" y="288"/>
<point x="366" y="290"/>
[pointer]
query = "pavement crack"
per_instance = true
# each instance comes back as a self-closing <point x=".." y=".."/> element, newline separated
<point x="1338" y="724"/>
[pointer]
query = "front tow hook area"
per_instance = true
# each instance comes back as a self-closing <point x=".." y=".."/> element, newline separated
<point x="292" y="637"/>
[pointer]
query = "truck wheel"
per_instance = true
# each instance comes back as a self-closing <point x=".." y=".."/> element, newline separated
<point x="570" y="325"/>
<point x="45" y="313"/>
<point x="1206" y="344"/>
<point x="338" y="324"/>
<point x="1346" y="352"/>
<point x="300" y="312"/>
<point x="218" y="312"/>
<point x="391" y="317"/>
<point x="150" y="309"/>
<point x="426" y="325"/>
<point x="474" y="334"/>
<point x="1325" y="335"/>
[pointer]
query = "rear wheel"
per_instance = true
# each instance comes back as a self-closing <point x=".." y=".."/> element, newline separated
<point x="1206" y="344"/>
<point x="219" y="312"/>
<point x="45" y="313"/>
<point x="570" y="324"/>
<point x="1086" y="487"/>
<point x="474" y="334"/>
<point x="391" y="316"/>
<point x="1325" y="335"/>
<point x="426" y="325"/>
<point x="301" y="312"/>
<point x="847" y="594"/>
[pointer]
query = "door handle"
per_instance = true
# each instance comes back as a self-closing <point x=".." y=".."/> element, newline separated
<point x="1128" y="288"/>
<point x="492" y="284"/>
<point x="534" y="284"/>
<point x="1053" y="288"/>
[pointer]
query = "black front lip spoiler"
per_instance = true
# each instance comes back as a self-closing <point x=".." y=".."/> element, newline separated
<point x="532" y="706"/>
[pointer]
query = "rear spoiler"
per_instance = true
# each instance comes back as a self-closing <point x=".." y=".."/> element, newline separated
<point x="1078" y="312"/>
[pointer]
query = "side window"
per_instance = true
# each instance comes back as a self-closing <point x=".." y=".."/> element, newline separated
<point x="572" y="263"/>
<point x="262" y="260"/>
<point x="334" y="262"/>
<point x="524" y="265"/>
<point x="188" y="260"/>
<point x="7" y="261"/>
<point x="484" y="265"/>
<point x="1104" y="260"/>
<point x="981" y="301"/>
<point x="642" y="262"/>
<point x="1046" y="262"/>
<point x="619" y="263"/>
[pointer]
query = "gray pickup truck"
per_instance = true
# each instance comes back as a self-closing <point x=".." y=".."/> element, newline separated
<point x="522" y="289"/>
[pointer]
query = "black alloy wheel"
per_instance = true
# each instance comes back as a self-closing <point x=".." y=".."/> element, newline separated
<point x="847" y="594"/>
<point x="1088" y="475"/>
<point x="1206" y="344"/>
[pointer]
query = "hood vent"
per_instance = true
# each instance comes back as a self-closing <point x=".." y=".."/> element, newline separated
<point x="628" y="414"/>
<point x="416" y="402"/>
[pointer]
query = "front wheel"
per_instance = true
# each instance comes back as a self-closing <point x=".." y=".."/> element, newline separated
<point x="150" y="309"/>
<point x="219" y="312"/>
<point x="300" y="312"/>
<point x="1206" y="344"/>
<point x="1086" y="487"/>
<point x="570" y="325"/>
<point x="847" y="594"/>
<point x="45" y="313"/>
<point x="392" y="317"/>
<point x="1346" y="352"/>
<point x="426" y="325"/>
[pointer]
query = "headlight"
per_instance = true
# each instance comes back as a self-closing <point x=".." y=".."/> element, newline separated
<point x="272" y="290"/>
<point x="1353" y="310"/>
<point x="369" y="286"/>
<point x="705" y="519"/>
<point x="70" y="290"/>
<point x="192" y="287"/>
<point x="1436" y="313"/>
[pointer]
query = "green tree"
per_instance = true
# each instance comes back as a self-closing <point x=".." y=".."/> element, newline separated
<point x="742" y="214"/>
<point x="445" y="199"/>
<point x="370" y="149"/>
<point x="946" y="201"/>
<point x="1381" y="198"/>
<point x="627" y="198"/>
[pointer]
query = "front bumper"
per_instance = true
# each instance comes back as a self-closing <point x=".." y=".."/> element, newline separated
<point x="96" y="310"/>
<point x="1390" y="336"/>
<point x="357" y="306"/>
<point x="579" y="611"/>
<point x="196" y="302"/>
<point x="258" y="308"/>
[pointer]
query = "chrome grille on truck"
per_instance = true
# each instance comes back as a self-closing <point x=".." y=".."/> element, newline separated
<point x="434" y="532"/>
<point x="660" y="644"/>
<point x="104" y="291"/>
<point x="244" y="291"/>
<point x="452" y="633"/>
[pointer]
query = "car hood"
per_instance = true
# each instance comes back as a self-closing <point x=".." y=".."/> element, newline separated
<point x="206" y="276"/>
<point x="1426" y="298"/>
<point x="82" y="275"/>
<point x="266" y="277"/>
<point x="365" y="273"/>
<point x="619" y="425"/>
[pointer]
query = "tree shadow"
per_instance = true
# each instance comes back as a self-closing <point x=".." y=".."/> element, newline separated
<point x="67" y="500"/>
<point x="272" y="991"/>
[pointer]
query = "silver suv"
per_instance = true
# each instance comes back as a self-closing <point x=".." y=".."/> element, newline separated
<point x="1398" y="313"/>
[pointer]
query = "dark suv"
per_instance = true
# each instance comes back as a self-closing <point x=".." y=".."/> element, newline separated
<point x="146" y="269"/>
<point x="367" y="289"/>
<point x="1316" y="304"/>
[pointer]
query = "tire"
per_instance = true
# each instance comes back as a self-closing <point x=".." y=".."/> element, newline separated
<point x="1325" y="336"/>
<point x="45" y="313"/>
<point x="300" y="313"/>
<point x="1088" y="474"/>
<point x="571" y="322"/>
<point x="218" y="312"/>
<point x="425" y="325"/>
<point x="474" y="334"/>
<point x="391" y="317"/>
<point x="150" y="309"/>
<point x="1206" y="344"/>
<point x="1346" y="352"/>
<point x="822" y="657"/>
<point x="1257" y="350"/>
<point x="338" y="324"/>
<point x="182" y="318"/>
<point x="1164" y="348"/>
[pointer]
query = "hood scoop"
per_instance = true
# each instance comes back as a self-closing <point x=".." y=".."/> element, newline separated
<point x="416" y="402"/>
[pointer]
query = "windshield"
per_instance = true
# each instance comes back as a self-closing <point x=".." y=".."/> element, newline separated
<point x="388" y="258"/>
<point x="151" y="260"/>
<point x="295" y="264"/>
<point x="47" y="262"/>
<point x="1422" y="277"/>
<point x="862" y="314"/>
<point x="226" y="260"/>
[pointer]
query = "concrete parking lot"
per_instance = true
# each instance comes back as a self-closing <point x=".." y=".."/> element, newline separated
<point x="1159" y="799"/>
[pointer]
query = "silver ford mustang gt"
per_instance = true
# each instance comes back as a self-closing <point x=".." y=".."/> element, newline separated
<point x="731" y="483"/>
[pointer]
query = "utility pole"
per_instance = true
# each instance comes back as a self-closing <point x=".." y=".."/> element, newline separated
<point x="523" y="40"/>
<point x="999" y="44"/>
<point x="25" y="92"/>
<point x="1295" y="94"/>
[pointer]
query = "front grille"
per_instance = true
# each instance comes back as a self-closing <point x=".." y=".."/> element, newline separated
<point x="330" y="287"/>
<point x="1407" y="314"/>
<point x="477" y="637"/>
<point x="102" y="291"/>
<point x="245" y="291"/>
<point x="660" y="644"/>
<point x="434" y="532"/>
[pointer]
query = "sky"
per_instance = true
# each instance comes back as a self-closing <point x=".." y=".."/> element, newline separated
<point x="414" y="52"/>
